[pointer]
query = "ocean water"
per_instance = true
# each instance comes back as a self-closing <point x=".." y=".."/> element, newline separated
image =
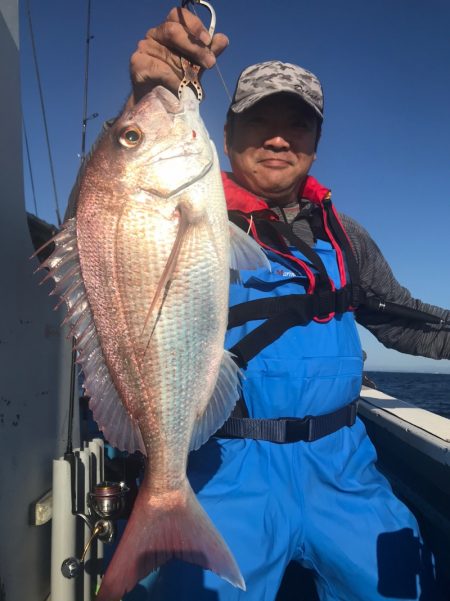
<point x="429" y="391"/>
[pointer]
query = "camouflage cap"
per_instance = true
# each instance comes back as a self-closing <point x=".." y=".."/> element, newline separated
<point x="272" y="77"/>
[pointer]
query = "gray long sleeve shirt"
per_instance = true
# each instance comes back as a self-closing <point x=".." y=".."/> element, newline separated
<point x="405" y="335"/>
<point x="376" y="279"/>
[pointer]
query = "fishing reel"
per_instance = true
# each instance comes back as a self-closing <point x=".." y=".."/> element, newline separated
<point x="106" y="504"/>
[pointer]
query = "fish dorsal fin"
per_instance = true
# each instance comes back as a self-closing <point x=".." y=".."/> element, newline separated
<point x="117" y="425"/>
<point x="245" y="253"/>
<point x="221" y="404"/>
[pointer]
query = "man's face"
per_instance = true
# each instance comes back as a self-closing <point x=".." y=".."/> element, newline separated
<point x="272" y="146"/>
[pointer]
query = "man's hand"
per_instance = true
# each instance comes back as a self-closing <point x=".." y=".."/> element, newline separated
<point x="157" y="58"/>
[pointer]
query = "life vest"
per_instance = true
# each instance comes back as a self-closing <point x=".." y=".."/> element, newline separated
<point x="322" y="297"/>
<point x="292" y="328"/>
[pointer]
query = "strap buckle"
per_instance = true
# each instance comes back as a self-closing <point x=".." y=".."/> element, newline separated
<point x="352" y="413"/>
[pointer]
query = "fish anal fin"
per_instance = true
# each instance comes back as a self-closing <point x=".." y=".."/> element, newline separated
<point x="118" y="427"/>
<point x="221" y="404"/>
<point x="172" y="525"/>
<point x="245" y="253"/>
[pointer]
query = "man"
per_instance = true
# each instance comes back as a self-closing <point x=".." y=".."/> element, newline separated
<point x="310" y="494"/>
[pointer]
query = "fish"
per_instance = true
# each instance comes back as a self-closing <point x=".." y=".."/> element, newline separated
<point x="143" y="264"/>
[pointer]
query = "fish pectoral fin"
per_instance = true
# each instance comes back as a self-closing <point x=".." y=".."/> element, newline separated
<point x="165" y="280"/>
<point x="245" y="253"/>
<point x="222" y="402"/>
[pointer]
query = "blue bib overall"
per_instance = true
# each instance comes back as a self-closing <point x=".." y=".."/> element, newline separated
<point x="323" y="503"/>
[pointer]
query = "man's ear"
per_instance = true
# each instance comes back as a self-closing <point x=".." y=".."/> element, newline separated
<point x="225" y="143"/>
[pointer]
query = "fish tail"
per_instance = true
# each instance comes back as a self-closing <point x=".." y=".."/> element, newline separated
<point x="173" y="525"/>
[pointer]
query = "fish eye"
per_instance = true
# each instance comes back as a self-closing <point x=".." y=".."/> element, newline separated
<point x="130" y="137"/>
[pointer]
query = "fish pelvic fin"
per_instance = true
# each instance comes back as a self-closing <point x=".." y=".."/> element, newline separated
<point x="170" y="525"/>
<point x="221" y="404"/>
<point x="165" y="280"/>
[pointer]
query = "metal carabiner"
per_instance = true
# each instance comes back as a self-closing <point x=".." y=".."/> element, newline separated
<point x="190" y="70"/>
<point x="212" y="12"/>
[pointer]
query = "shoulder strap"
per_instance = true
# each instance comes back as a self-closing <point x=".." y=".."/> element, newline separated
<point x="344" y="243"/>
<point x="286" y="231"/>
<point x="320" y="303"/>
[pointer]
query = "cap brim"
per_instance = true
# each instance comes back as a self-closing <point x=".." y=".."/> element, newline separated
<point x="249" y="101"/>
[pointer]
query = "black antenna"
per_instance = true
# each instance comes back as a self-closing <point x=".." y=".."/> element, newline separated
<point x="89" y="37"/>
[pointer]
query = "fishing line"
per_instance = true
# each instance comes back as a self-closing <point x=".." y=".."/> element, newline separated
<point x="227" y="91"/>
<point x="27" y="148"/>
<point x="44" y="117"/>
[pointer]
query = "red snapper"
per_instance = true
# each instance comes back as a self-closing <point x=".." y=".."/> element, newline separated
<point x="143" y="266"/>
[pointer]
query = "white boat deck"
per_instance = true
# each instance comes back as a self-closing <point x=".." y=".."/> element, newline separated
<point x="422" y="429"/>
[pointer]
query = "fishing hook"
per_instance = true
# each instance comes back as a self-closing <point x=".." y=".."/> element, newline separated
<point x="190" y="70"/>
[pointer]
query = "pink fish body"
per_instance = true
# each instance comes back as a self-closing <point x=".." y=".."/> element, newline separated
<point x="143" y="266"/>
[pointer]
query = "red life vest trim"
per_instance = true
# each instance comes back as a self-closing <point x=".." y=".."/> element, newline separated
<point x="338" y="250"/>
<point x="240" y="199"/>
<point x="313" y="191"/>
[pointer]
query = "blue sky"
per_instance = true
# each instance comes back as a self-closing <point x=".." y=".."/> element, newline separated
<point x="385" y="150"/>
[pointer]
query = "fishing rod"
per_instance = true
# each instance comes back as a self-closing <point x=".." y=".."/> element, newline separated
<point x="69" y="448"/>
<point x="69" y="454"/>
